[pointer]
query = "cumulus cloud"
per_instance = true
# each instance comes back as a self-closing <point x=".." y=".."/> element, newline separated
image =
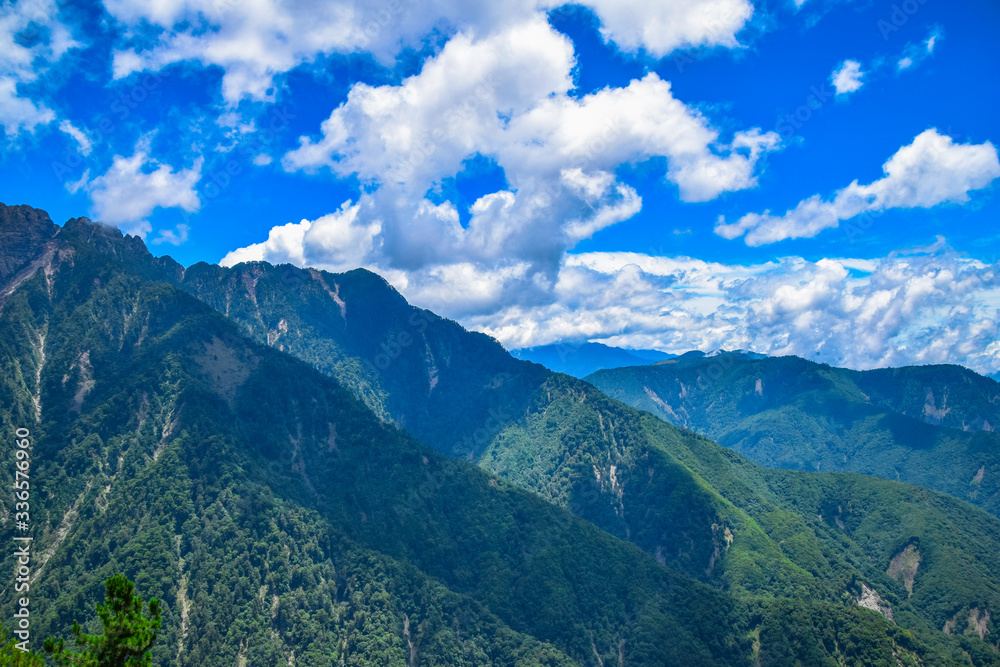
<point x="932" y="170"/>
<point x="133" y="187"/>
<point x="847" y="78"/>
<point x="498" y="90"/>
<point x="32" y="39"/>
<point x="662" y="27"/>
<point x="335" y="241"/>
<point x="253" y="47"/>
<point x="410" y="133"/>
<point x="504" y="98"/>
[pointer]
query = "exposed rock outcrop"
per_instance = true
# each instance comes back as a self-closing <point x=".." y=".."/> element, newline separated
<point x="905" y="564"/>
<point x="870" y="599"/>
<point x="23" y="230"/>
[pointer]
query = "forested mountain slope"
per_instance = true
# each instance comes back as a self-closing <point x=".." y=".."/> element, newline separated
<point x="943" y="395"/>
<point x="219" y="472"/>
<point x="926" y="425"/>
<point x="460" y="393"/>
<point x="281" y="521"/>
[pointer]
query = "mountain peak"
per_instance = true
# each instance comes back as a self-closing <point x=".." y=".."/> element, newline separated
<point x="87" y="228"/>
<point x="129" y="249"/>
<point x="23" y="231"/>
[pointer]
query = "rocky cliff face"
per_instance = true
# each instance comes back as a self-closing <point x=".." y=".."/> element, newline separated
<point x="23" y="230"/>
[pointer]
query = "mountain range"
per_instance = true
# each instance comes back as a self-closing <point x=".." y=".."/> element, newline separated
<point x="582" y="359"/>
<point x="309" y="470"/>
<point x="926" y="425"/>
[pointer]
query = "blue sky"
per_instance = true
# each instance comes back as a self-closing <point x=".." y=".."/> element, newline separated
<point x="812" y="177"/>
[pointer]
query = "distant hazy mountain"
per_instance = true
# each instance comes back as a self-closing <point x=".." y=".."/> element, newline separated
<point x="283" y="517"/>
<point x="582" y="359"/>
<point x="926" y="425"/>
<point x="698" y="354"/>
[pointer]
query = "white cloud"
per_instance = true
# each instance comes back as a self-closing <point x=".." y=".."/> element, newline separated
<point x="255" y="44"/>
<point x="932" y="170"/>
<point x="75" y="186"/>
<point x="32" y="39"/>
<point x="851" y="75"/>
<point x="176" y="236"/>
<point x="504" y="98"/>
<point x="498" y="89"/>
<point x="914" y="54"/>
<point x="335" y="241"/>
<point x="18" y="114"/>
<point x="427" y="125"/>
<point x="81" y="139"/>
<point x="847" y="77"/>
<point x="664" y="26"/>
<point x="133" y="187"/>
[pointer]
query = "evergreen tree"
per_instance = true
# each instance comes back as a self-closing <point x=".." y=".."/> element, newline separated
<point x="14" y="657"/>
<point x="127" y="636"/>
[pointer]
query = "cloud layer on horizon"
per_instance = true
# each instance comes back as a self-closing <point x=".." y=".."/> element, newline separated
<point x="925" y="306"/>
<point x="929" y="306"/>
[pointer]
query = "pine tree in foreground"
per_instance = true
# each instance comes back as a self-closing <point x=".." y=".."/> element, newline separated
<point x="127" y="636"/>
<point x="11" y="656"/>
